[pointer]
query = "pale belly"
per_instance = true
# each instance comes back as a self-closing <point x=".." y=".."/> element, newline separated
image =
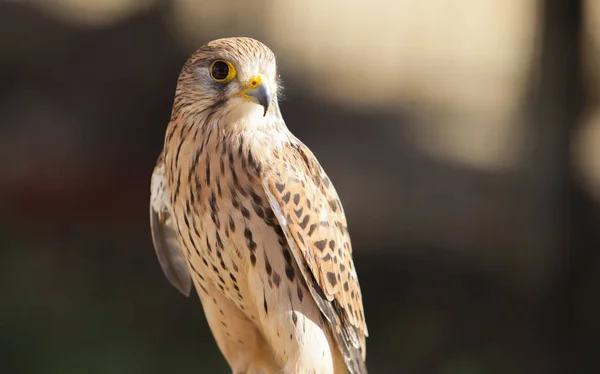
<point x="242" y="254"/>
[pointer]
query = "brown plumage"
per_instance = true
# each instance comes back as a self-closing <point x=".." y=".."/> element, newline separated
<point x="243" y="210"/>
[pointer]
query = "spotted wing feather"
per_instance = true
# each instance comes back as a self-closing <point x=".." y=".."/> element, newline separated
<point x="311" y="215"/>
<point x="170" y="255"/>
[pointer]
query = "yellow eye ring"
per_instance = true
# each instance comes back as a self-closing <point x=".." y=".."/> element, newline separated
<point x="222" y="71"/>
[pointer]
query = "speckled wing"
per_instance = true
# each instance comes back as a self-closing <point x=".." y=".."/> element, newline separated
<point x="311" y="215"/>
<point x="170" y="255"/>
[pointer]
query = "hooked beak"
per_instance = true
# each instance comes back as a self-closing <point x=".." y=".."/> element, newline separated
<point x="258" y="92"/>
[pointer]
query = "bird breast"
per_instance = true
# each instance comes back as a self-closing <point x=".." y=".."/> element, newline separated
<point x="225" y="220"/>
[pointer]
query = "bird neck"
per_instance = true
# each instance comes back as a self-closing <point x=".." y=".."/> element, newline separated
<point x="190" y="134"/>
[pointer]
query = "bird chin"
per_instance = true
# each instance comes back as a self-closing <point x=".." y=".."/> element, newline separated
<point x="248" y="112"/>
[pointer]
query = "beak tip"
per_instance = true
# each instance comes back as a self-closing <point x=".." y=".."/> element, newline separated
<point x="261" y="95"/>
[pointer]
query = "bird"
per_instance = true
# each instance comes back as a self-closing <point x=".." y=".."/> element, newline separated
<point x="242" y="210"/>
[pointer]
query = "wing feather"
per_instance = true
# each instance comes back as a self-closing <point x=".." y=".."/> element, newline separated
<point x="164" y="237"/>
<point x="312" y="218"/>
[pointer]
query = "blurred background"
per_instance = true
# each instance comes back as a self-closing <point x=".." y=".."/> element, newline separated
<point x="463" y="138"/>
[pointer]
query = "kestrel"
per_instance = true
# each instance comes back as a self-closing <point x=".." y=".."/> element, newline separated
<point x="243" y="210"/>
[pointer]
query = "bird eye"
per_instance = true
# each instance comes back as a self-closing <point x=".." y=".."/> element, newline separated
<point x="222" y="71"/>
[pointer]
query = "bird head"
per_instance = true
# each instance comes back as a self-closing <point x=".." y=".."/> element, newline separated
<point x="237" y="76"/>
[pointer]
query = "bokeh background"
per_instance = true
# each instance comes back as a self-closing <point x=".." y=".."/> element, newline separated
<point x="463" y="137"/>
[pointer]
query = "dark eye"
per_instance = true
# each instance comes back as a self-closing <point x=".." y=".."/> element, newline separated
<point x="222" y="71"/>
